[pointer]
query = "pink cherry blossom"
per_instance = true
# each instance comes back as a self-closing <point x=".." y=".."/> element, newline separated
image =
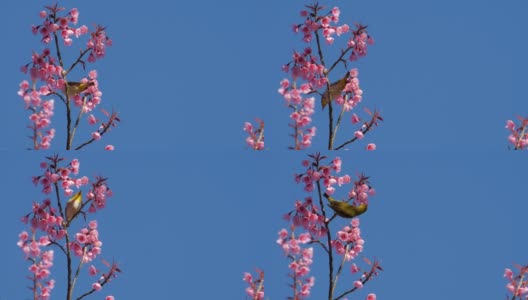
<point x="255" y="138"/>
<point x="518" y="133"/>
<point x="92" y="270"/>
<point x="97" y="286"/>
<point x="517" y="284"/>
<point x="255" y="290"/>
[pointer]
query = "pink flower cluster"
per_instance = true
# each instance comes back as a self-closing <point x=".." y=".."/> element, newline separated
<point x="255" y="140"/>
<point x="47" y="218"/>
<point x="98" y="195"/>
<point x="42" y="111"/>
<point x="518" y="133"/>
<point x="301" y="119"/>
<point x="91" y="97"/>
<point x="317" y="171"/>
<point x="62" y="176"/>
<point x="290" y="244"/>
<point x="359" y="42"/>
<point x="303" y="109"/>
<point x="87" y="244"/>
<point x="313" y="22"/>
<point x="517" y="284"/>
<point x="349" y="242"/>
<point x="308" y="216"/>
<point x="43" y="68"/>
<point x="54" y="174"/>
<point x="306" y="66"/>
<point x="301" y="258"/>
<point x="54" y="23"/>
<point x="361" y="191"/>
<point x="44" y="216"/>
<point x="255" y="290"/>
<point x="352" y="94"/>
<point x="97" y="44"/>
<point x="41" y="263"/>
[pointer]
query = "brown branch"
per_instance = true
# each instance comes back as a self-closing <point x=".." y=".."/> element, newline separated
<point x="372" y="122"/>
<point x="338" y="123"/>
<point x="329" y="241"/>
<point x="78" y="60"/>
<point x="106" y="126"/>
<point x="106" y="279"/>
<point x="78" y="119"/>
<point x="369" y="275"/>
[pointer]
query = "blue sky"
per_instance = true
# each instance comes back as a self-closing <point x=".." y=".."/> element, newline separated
<point x="193" y="209"/>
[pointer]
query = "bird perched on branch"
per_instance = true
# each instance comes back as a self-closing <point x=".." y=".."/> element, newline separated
<point x="335" y="90"/>
<point x="344" y="209"/>
<point x="73" y="207"/>
<point x="73" y="88"/>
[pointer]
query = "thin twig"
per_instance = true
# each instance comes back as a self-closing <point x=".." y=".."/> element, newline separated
<point x="81" y="110"/>
<point x="372" y="122"/>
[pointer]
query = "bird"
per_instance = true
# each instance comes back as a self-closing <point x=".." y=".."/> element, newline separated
<point x="73" y="88"/>
<point x="344" y="209"/>
<point x="73" y="206"/>
<point x="335" y="90"/>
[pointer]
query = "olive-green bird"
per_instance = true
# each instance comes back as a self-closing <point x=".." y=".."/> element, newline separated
<point x="344" y="209"/>
<point x="73" y="206"/>
<point x="73" y="88"/>
<point x="335" y="90"/>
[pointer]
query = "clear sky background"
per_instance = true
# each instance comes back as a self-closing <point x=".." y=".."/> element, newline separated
<point x="193" y="209"/>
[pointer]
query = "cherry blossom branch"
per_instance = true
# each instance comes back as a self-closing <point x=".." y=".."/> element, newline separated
<point x="518" y="133"/>
<point x="112" y="121"/>
<point x="105" y="279"/>
<point x="517" y="285"/>
<point x="78" y="60"/>
<point x="256" y="287"/>
<point x="365" y="128"/>
<point x="55" y="223"/>
<point x="313" y="70"/>
<point x="50" y="71"/>
<point x="367" y="276"/>
<point x="255" y="138"/>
